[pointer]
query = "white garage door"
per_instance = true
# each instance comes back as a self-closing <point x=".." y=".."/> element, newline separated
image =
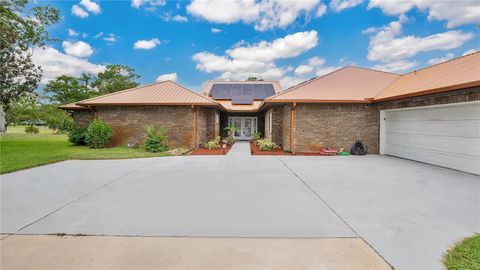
<point x="447" y="136"/>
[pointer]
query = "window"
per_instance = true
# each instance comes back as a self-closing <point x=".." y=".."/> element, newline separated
<point x="217" y="118"/>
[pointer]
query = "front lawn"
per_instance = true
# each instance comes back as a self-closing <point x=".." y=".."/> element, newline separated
<point x="465" y="255"/>
<point x="21" y="151"/>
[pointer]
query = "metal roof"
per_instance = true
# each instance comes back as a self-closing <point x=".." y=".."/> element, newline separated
<point x="160" y="93"/>
<point x="227" y="104"/>
<point x="72" y="106"/>
<point x="348" y="84"/>
<point x="454" y="74"/>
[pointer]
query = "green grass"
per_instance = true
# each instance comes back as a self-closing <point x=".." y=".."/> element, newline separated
<point x="21" y="151"/>
<point x="21" y="130"/>
<point x="465" y="255"/>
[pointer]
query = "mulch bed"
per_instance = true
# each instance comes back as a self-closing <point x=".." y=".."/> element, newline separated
<point x="257" y="152"/>
<point x="206" y="151"/>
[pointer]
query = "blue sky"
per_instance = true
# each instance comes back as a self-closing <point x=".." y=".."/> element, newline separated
<point x="192" y="42"/>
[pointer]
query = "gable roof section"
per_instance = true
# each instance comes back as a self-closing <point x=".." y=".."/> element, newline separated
<point x="346" y="85"/>
<point x="208" y="85"/>
<point x="72" y="106"/>
<point x="161" y="93"/>
<point x="458" y="73"/>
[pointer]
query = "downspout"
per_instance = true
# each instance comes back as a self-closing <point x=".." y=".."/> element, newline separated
<point x="194" y="127"/>
<point x="292" y="128"/>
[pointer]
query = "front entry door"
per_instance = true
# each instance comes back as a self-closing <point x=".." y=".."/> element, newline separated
<point x="246" y="125"/>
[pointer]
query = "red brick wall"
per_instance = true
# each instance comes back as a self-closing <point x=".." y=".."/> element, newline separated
<point x="460" y="96"/>
<point x="277" y="118"/>
<point x="335" y="125"/>
<point x="128" y="123"/>
<point x="286" y="127"/>
<point x="81" y="118"/>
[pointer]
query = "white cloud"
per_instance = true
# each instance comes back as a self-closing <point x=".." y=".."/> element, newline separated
<point x="326" y="70"/>
<point x="78" y="49"/>
<point x="396" y="66"/>
<point x="455" y="13"/>
<point x="310" y="66"/>
<point x="216" y="30"/>
<point x="91" y="6"/>
<point x="147" y="44"/>
<point x="98" y="35"/>
<point x="55" y="63"/>
<point x="469" y="52"/>
<point x="111" y="38"/>
<point x="79" y="12"/>
<point x="72" y="33"/>
<point x="151" y="3"/>
<point x="386" y="46"/>
<point x="245" y="60"/>
<point x="180" y="18"/>
<point x="167" y="77"/>
<point x="339" y="5"/>
<point x="264" y="14"/>
<point x="322" y="9"/>
<point x="438" y="60"/>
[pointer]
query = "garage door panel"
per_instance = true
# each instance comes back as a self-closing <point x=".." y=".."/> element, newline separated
<point x="448" y="136"/>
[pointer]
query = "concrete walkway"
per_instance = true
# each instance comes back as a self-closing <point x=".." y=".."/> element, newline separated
<point x="240" y="149"/>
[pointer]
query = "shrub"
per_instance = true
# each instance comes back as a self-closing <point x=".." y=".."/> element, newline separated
<point x="31" y="130"/>
<point x="228" y="140"/>
<point x="266" y="145"/>
<point x="98" y="134"/>
<point x="156" y="139"/>
<point x="213" y="144"/>
<point x="77" y="136"/>
<point x="256" y="135"/>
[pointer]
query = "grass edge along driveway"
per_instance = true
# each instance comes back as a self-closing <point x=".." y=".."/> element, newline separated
<point x="464" y="255"/>
<point x="23" y="151"/>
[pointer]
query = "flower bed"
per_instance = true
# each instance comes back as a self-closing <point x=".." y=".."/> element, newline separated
<point x="256" y="151"/>
<point x="206" y="151"/>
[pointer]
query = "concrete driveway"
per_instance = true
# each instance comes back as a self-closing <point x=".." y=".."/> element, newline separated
<point x="409" y="212"/>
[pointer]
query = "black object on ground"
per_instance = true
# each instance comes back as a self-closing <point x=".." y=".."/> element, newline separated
<point x="358" y="148"/>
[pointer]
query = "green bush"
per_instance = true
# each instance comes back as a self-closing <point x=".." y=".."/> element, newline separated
<point x="98" y="134"/>
<point x="228" y="140"/>
<point x="31" y="130"/>
<point x="256" y="135"/>
<point x="213" y="144"/>
<point x="77" y="136"/>
<point x="266" y="145"/>
<point x="156" y="139"/>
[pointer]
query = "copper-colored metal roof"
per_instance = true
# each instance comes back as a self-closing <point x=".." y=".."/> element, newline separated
<point x="227" y="104"/>
<point x="451" y="75"/>
<point x="208" y="85"/>
<point x="161" y="93"/>
<point x="72" y="106"/>
<point x="348" y="84"/>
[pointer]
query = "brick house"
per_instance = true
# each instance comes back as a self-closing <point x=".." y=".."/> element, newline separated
<point x="430" y="115"/>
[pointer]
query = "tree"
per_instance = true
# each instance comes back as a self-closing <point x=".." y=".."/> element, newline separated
<point x="115" y="78"/>
<point x="20" y="30"/>
<point x="67" y="89"/>
<point x="254" y="79"/>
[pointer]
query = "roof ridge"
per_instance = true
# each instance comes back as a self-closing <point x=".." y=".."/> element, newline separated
<point x="193" y="92"/>
<point x="118" y="92"/>
<point x="376" y="70"/>
<point x="441" y="63"/>
<point x="305" y="83"/>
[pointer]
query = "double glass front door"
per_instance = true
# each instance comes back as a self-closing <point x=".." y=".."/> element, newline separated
<point x="246" y="126"/>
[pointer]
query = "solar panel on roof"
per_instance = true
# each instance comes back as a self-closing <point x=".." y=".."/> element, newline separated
<point x="242" y="101"/>
<point x="246" y="91"/>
